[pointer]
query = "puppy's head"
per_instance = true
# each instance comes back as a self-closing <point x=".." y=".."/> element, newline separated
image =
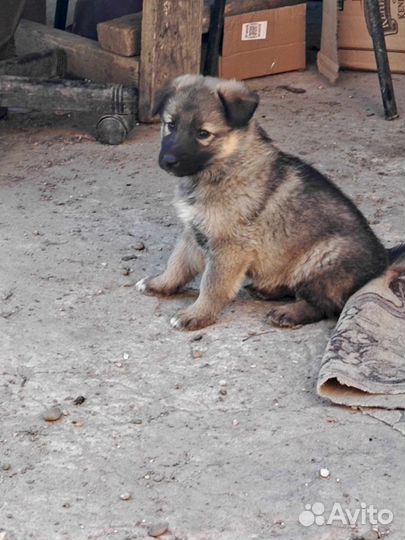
<point x="202" y="118"/>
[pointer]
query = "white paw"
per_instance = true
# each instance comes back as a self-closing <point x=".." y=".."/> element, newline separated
<point x="175" y="322"/>
<point x="141" y="285"/>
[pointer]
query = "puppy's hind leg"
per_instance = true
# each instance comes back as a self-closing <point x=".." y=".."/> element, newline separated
<point x="322" y="297"/>
<point x="186" y="261"/>
<point x="294" y="314"/>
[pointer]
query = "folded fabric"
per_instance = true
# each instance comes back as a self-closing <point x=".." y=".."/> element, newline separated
<point x="364" y="362"/>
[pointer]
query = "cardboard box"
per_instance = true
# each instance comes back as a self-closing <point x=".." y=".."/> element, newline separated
<point x="263" y="43"/>
<point x="354" y="39"/>
<point x="365" y="60"/>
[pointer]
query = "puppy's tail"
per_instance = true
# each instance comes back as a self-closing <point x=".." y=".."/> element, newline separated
<point x="396" y="254"/>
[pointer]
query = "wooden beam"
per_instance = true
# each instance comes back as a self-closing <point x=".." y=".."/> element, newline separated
<point x="65" y="95"/>
<point x="170" y="46"/>
<point x="122" y="35"/>
<point x="46" y="64"/>
<point x="85" y="58"/>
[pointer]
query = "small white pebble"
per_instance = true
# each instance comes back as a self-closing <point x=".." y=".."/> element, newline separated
<point x="125" y="496"/>
<point x="235" y="422"/>
<point x="222" y="382"/>
<point x="125" y="356"/>
<point x="52" y="414"/>
<point x="324" y="473"/>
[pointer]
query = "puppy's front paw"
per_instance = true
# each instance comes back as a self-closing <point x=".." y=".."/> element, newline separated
<point x="184" y="320"/>
<point x="144" y="287"/>
<point x="153" y="287"/>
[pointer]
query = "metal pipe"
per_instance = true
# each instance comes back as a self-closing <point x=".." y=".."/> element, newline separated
<point x="381" y="57"/>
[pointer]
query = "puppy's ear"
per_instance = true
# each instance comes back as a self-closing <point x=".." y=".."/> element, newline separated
<point x="239" y="103"/>
<point x="160" y="99"/>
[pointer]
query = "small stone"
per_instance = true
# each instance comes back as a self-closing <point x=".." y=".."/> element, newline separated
<point x="196" y="354"/>
<point x="79" y="400"/>
<point x="235" y="422"/>
<point x="128" y="257"/>
<point x="125" y="496"/>
<point x="324" y="473"/>
<point x="158" y="477"/>
<point x="158" y="529"/>
<point x="222" y="382"/>
<point x="223" y="391"/>
<point x="52" y="414"/>
<point x="139" y="246"/>
<point x="126" y="271"/>
<point x="136" y="421"/>
<point x="125" y="356"/>
<point x="6" y="466"/>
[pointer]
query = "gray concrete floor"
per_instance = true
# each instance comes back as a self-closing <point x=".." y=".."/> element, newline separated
<point x="155" y="426"/>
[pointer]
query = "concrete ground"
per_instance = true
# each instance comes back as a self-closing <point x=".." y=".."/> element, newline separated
<point x="219" y="434"/>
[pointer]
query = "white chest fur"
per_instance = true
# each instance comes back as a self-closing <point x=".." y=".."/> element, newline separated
<point x="185" y="211"/>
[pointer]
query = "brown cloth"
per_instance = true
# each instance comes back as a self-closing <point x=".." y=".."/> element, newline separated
<point x="364" y="362"/>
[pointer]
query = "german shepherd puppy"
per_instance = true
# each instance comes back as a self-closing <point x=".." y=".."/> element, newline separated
<point x="250" y="210"/>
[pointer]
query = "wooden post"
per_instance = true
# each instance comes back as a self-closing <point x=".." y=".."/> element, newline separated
<point x="170" y="46"/>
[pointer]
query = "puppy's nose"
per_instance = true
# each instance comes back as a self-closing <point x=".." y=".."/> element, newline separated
<point x="169" y="160"/>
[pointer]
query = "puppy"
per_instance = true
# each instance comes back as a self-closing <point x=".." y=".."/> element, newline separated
<point x="250" y="210"/>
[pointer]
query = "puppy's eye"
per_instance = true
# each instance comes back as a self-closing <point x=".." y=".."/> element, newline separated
<point x="170" y="125"/>
<point x="203" y="134"/>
